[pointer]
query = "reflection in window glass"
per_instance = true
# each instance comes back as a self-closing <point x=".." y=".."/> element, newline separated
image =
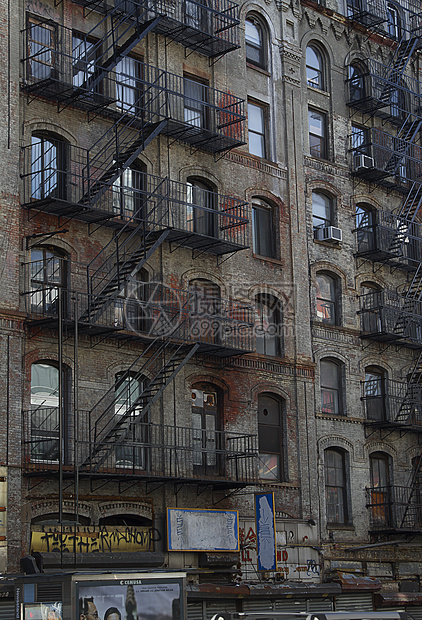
<point x="326" y="299"/>
<point x="269" y="437"/>
<point x="256" y="130"/>
<point x="262" y="230"/>
<point x="317" y="134"/>
<point x="314" y="67"/>
<point x="254" y="39"/>
<point x="330" y="387"/>
<point x="335" y="489"/>
<point x="321" y="210"/>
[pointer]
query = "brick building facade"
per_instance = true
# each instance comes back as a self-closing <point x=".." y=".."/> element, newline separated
<point x="210" y="258"/>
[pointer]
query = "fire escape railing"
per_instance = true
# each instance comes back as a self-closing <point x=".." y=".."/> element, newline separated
<point x="373" y="14"/>
<point x="388" y="316"/>
<point x="385" y="237"/>
<point x="386" y="159"/>
<point x="390" y="403"/>
<point x="385" y="94"/>
<point x="151" y="310"/>
<point x="394" y="508"/>
<point x="160" y="451"/>
<point x="210" y="28"/>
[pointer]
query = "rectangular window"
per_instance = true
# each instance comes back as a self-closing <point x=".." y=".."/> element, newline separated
<point x="195" y="103"/>
<point x="41" y="41"/>
<point x="335" y="487"/>
<point x="128" y="85"/>
<point x="262" y="230"/>
<point x="84" y="53"/>
<point x="256" y="130"/>
<point x="317" y="134"/>
<point x="360" y="140"/>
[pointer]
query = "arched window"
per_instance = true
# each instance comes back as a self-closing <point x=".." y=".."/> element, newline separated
<point x="322" y="210"/>
<point x="268" y="324"/>
<point x="45" y="412"/>
<point x="380" y="502"/>
<point x="131" y="452"/>
<point x="48" y="167"/>
<point x="375" y="393"/>
<point x="263" y="238"/>
<point x="255" y="41"/>
<point x="356" y="83"/>
<point x="128" y="192"/>
<point x="331" y="387"/>
<point x="270" y="433"/>
<point x="365" y="228"/>
<point x="205" y="302"/>
<point x="335" y="486"/>
<point x="327" y="295"/>
<point x="48" y="275"/>
<point x="200" y="216"/>
<point x="206" y="435"/>
<point x="314" y="67"/>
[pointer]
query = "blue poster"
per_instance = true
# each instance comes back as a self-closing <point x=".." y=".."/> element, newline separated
<point x="266" y="549"/>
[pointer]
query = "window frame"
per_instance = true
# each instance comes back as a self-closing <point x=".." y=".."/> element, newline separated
<point x="375" y="391"/>
<point x="356" y="74"/>
<point x="273" y="438"/>
<point x="48" y="166"/>
<point x="259" y="48"/>
<point x="206" y="430"/>
<point x="318" y="142"/>
<point x="328" y="205"/>
<point x="51" y="73"/>
<point x="45" y="282"/>
<point x="261" y="131"/>
<point x="318" y="68"/>
<point x="201" y="207"/>
<point x="331" y="303"/>
<point x="268" y="343"/>
<point x="199" y="106"/>
<point x="338" y="489"/>
<point x="50" y="412"/>
<point x="263" y="229"/>
<point x="331" y="394"/>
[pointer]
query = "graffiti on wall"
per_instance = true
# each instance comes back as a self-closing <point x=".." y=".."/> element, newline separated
<point x="296" y="558"/>
<point x="88" y="539"/>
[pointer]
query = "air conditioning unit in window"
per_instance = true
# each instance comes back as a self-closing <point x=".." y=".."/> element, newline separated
<point x="361" y="162"/>
<point x="328" y="233"/>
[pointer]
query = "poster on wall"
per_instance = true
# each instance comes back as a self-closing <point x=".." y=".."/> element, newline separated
<point x="42" y="611"/>
<point x="130" y="599"/>
<point x="202" y="530"/>
<point x="265" y="531"/>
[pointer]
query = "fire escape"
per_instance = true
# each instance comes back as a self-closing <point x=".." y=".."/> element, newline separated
<point x="103" y="187"/>
<point x="394" y="161"/>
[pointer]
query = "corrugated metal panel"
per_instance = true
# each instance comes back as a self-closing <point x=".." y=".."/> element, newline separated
<point x="289" y="604"/>
<point x="214" y="607"/>
<point x="257" y="605"/>
<point x="351" y="601"/>
<point x="319" y="604"/>
<point x="194" y="611"/>
<point x="7" y="609"/>
<point x="415" y="612"/>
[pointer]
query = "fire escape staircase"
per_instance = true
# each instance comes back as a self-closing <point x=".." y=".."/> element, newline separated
<point x="134" y="244"/>
<point x="404" y="142"/>
<point x="163" y="361"/>
<point x="395" y="71"/>
<point x="126" y="29"/>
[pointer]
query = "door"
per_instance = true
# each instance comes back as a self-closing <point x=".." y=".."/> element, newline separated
<point x="380" y="490"/>
<point x="205" y="435"/>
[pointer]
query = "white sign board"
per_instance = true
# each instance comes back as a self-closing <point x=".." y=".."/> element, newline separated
<point x="202" y="530"/>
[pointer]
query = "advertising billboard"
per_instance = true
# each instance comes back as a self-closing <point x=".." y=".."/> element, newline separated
<point x="131" y="599"/>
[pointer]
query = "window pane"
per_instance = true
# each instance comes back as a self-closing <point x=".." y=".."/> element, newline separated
<point x="335" y="486"/>
<point x="256" y="129"/>
<point x="313" y="68"/>
<point x="317" y="134"/>
<point x="321" y="210"/>
<point x="269" y="436"/>
<point x="262" y="231"/>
